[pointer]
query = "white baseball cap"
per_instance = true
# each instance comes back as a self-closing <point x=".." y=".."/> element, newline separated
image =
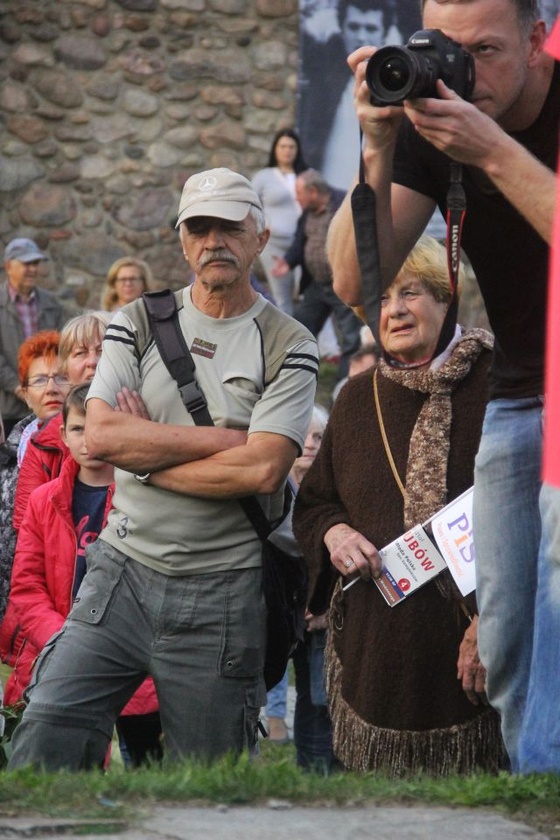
<point x="217" y="192"/>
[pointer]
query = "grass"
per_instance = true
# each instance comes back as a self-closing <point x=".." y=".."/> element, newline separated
<point x="118" y="794"/>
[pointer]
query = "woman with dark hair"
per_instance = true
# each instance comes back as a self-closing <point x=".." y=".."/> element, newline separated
<point x="276" y="188"/>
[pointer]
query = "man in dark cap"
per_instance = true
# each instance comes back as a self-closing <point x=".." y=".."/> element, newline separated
<point x="24" y="310"/>
<point x="173" y="587"/>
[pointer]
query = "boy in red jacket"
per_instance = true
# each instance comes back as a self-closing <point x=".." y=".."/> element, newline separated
<point x="62" y="518"/>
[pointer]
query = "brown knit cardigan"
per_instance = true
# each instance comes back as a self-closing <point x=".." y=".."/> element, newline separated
<point x="395" y="700"/>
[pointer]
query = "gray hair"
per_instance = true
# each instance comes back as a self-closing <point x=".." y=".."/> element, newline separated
<point x="320" y="416"/>
<point x="311" y="179"/>
<point x="258" y="217"/>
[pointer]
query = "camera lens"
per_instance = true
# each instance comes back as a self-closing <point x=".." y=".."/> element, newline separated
<point x="391" y="74"/>
<point x="394" y="74"/>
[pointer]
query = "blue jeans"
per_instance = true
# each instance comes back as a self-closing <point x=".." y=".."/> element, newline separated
<point x="550" y="515"/>
<point x="539" y="745"/>
<point x="201" y="637"/>
<point x="312" y="723"/>
<point x="277" y="699"/>
<point x="507" y="533"/>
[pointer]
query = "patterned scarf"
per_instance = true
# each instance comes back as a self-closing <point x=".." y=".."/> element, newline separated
<point x="426" y="471"/>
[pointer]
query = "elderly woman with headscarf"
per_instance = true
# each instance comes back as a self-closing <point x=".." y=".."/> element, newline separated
<point x="400" y="445"/>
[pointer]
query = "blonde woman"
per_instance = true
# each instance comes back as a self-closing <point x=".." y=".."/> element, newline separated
<point x="126" y="280"/>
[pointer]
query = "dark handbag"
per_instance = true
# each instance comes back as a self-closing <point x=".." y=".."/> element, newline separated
<point x="285" y="594"/>
<point x="284" y="576"/>
<point x="284" y="583"/>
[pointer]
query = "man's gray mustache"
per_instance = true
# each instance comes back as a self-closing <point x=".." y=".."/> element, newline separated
<point x="218" y="256"/>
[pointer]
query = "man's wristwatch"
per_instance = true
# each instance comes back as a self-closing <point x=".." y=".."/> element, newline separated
<point x="143" y="479"/>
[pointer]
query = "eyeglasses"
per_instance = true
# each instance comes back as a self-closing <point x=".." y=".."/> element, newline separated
<point x="42" y="380"/>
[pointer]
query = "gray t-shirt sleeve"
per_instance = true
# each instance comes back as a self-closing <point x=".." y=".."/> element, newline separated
<point x="286" y="405"/>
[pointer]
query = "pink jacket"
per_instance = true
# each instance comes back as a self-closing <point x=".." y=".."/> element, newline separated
<point x="42" y="582"/>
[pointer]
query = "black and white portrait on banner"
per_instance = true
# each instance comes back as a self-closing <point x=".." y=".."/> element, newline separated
<point x="329" y="31"/>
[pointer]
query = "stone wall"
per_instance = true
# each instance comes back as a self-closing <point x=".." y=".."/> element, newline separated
<point x="107" y="106"/>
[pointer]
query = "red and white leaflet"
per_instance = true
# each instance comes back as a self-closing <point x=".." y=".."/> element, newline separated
<point x="409" y="562"/>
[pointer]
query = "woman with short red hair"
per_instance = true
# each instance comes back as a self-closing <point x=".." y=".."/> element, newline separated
<point x="44" y="385"/>
<point x="44" y="389"/>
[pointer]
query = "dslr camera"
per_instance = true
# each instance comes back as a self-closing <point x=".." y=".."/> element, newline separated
<point x="394" y="74"/>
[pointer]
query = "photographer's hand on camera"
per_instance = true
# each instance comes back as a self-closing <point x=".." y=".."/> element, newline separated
<point x="379" y="125"/>
<point x="456" y="127"/>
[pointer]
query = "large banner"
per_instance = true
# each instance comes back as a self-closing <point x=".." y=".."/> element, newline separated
<point x="329" y="31"/>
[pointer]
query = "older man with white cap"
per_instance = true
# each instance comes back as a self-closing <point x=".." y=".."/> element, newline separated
<point x="173" y="587"/>
<point x="24" y="309"/>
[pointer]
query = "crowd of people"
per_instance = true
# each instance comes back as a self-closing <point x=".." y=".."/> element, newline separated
<point x="130" y="573"/>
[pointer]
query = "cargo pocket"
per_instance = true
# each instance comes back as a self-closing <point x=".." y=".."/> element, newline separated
<point x="41" y="663"/>
<point x="242" y="653"/>
<point x="105" y="568"/>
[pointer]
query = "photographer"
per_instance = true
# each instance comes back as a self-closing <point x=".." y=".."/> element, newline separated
<point x="506" y="139"/>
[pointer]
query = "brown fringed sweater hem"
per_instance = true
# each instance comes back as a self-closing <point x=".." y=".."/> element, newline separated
<point x="474" y="746"/>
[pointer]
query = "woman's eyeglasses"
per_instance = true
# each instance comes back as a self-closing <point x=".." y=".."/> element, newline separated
<point x="42" y="380"/>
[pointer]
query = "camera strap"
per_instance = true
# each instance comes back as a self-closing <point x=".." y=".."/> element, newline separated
<point x="364" y="213"/>
<point x="456" y="209"/>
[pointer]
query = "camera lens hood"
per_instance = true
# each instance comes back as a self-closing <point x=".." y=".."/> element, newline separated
<point x="395" y="73"/>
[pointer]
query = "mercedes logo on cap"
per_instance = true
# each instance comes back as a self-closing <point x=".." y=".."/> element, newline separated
<point x="207" y="183"/>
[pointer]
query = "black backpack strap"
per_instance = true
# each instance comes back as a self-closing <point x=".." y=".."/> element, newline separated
<point x="256" y="515"/>
<point x="164" y="321"/>
<point x="162" y="312"/>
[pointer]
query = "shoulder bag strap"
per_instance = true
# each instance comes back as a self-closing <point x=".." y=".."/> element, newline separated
<point x="164" y="320"/>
